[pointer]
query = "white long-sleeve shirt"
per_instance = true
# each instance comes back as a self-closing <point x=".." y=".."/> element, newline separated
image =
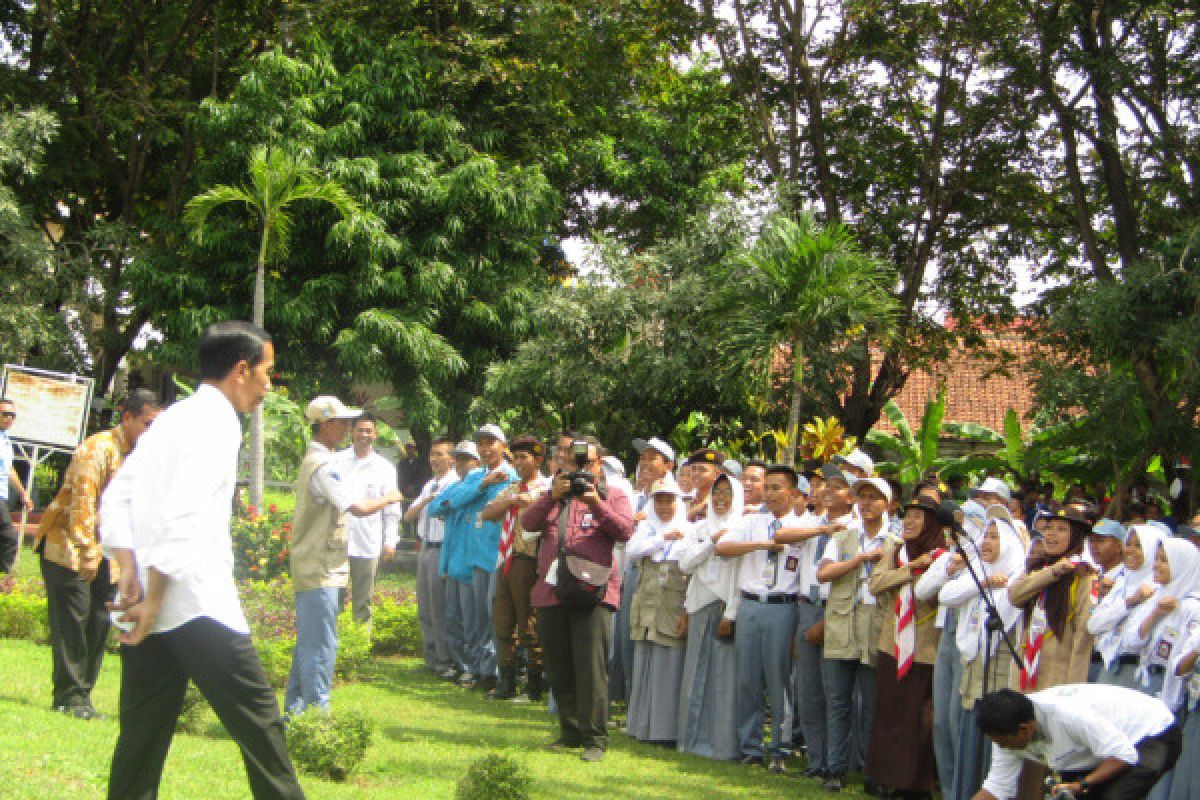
<point x="1078" y="726"/>
<point x="432" y="530"/>
<point x="366" y="479"/>
<point x="171" y="503"/>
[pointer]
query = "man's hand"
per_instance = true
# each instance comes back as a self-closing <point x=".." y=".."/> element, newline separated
<point x="672" y="536"/>
<point x="591" y="498"/>
<point x="639" y="516"/>
<point x="26" y="502"/>
<point x="997" y="581"/>
<point x="921" y="562"/>
<point x="129" y="590"/>
<point x="1166" y="605"/>
<point x="142" y="615"/>
<point x="87" y="570"/>
<point x="870" y="556"/>
<point x="561" y="486"/>
<point x="396" y="496"/>
<point x="1073" y="787"/>
<point x="772" y="547"/>
<point x="955" y="563"/>
<point x="494" y="477"/>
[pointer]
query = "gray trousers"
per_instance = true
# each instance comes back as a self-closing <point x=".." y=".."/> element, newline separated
<point x="947" y="705"/>
<point x="849" y="711"/>
<point x="431" y="609"/>
<point x="763" y="640"/>
<point x="458" y="599"/>
<point x="475" y="602"/>
<point x="362" y="587"/>
<point x="810" y="687"/>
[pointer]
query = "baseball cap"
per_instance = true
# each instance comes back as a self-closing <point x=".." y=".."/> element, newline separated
<point x="613" y="464"/>
<point x="857" y="458"/>
<point x="1110" y="528"/>
<point x="657" y="445"/>
<point x="706" y="455"/>
<point x="325" y="407"/>
<point x="831" y="472"/>
<point x="992" y="486"/>
<point x="732" y="468"/>
<point x="465" y="448"/>
<point x="665" y="485"/>
<point x="493" y="431"/>
<point x="879" y="484"/>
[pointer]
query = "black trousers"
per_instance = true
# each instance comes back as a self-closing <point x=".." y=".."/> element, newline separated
<point x="575" y="650"/>
<point x="1156" y="756"/>
<point x="8" y="537"/>
<point x="225" y="667"/>
<point x="79" y="625"/>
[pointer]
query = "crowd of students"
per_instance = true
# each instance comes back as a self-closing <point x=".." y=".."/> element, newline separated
<point x="767" y="612"/>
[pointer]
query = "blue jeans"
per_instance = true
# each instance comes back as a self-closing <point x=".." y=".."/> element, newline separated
<point x="849" y="706"/>
<point x="311" y="679"/>
<point x="456" y="630"/>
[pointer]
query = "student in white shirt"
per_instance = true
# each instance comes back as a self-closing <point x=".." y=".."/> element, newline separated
<point x="774" y="568"/>
<point x="369" y="538"/>
<point x="431" y="584"/>
<point x="165" y="520"/>
<point x="1105" y="742"/>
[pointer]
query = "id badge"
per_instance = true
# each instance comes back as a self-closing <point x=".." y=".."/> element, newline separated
<point x="586" y="522"/>
<point x="664" y="574"/>
<point x="768" y="573"/>
<point x="792" y="564"/>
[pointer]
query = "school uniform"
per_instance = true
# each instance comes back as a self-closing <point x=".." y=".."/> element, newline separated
<point x="852" y="626"/>
<point x="1186" y="785"/>
<point x="1111" y="616"/>
<point x="770" y="586"/>
<point x="366" y="537"/>
<point x="431" y="584"/>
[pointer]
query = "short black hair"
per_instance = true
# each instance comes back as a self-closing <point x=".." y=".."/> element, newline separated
<point x="1000" y="713"/>
<point x="755" y="462"/>
<point x="224" y="344"/>
<point x="365" y="416"/>
<point x="528" y="444"/>
<point x="138" y="400"/>
<point x="784" y="469"/>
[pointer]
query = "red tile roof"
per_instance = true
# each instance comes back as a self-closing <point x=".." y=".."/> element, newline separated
<point x="980" y="386"/>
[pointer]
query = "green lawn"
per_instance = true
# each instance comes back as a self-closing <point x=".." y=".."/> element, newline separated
<point x="427" y="733"/>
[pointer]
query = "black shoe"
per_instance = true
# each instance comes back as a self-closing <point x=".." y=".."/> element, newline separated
<point x="85" y="712"/>
<point x="560" y="744"/>
<point x="815" y="773"/>
<point x="776" y="766"/>
<point x="750" y="761"/>
<point x="833" y="783"/>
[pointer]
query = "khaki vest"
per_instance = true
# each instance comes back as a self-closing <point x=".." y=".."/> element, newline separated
<point x="319" y="558"/>
<point x="851" y="628"/>
<point x="658" y="603"/>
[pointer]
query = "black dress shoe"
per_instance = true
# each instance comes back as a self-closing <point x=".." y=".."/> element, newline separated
<point x="750" y="761"/>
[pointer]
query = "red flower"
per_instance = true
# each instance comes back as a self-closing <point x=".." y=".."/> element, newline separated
<point x="274" y="509"/>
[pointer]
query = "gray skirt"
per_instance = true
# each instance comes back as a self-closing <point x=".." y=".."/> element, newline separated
<point x="1186" y="785"/>
<point x="653" y="714"/>
<point x="708" y="700"/>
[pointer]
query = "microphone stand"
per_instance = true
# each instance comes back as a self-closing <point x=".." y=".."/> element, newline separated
<point x="993" y="626"/>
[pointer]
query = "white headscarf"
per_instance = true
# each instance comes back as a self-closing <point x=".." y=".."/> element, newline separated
<point x="1149" y="538"/>
<point x="717" y="521"/>
<point x="1010" y="561"/>
<point x="1184" y="560"/>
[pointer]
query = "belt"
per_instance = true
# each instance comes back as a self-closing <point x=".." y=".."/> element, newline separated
<point x="1097" y="658"/>
<point x="434" y="545"/>
<point x="1156" y="669"/>
<point x="1127" y="660"/>
<point x="770" y="599"/>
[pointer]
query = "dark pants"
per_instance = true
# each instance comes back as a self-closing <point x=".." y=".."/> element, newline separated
<point x="8" y="537"/>
<point x="512" y="616"/>
<point x="225" y="667"/>
<point x="1156" y="756"/>
<point x="575" y="647"/>
<point x="78" y="630"/>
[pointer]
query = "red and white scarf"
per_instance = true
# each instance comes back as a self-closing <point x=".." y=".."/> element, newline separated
<point x="508" y="528"/>
<point x="906" y="622"/>
<point x="1031" y="653"/>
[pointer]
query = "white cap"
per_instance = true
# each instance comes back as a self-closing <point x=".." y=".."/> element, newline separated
<point x="328" y="407"/>
<point x="665" y="485"/>
<point x="492" y="430"/>
<point x="879" y="484"/>
<point x="992" y="486"/>
<point x="613" y="464"/>
<point x="857" y="458"/>
<point x="465" y="448"/>
<point x="657" y="445"/>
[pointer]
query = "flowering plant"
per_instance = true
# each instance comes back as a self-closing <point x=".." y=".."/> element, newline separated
<point x="261" y="544"/>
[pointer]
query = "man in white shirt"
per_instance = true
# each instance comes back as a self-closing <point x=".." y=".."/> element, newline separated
<point x="369" y="475"/>
<point x="431" y="584"/>
<point x="165" y="520"/>
<point x="776" y="565"/>
<point x="319" y="557"/>
<point x="1105" y="742"/>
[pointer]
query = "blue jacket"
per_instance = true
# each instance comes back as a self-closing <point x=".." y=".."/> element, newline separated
<point x="471" y="541"/>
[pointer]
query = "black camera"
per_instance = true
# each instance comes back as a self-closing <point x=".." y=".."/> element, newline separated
<point x="581" y="480"/>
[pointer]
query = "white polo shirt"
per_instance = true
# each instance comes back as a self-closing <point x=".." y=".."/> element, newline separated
<point x="759" y="573"/>
<point x="367" y="479"/>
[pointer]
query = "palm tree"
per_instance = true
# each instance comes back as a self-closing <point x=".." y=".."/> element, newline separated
<point x="279" y="179"/>
<point x="801" y="283"/>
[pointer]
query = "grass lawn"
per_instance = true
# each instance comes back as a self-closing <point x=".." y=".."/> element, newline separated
<point x="427" y="733"/>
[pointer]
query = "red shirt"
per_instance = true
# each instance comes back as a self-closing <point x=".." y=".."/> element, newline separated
<point x="591" y="534"/>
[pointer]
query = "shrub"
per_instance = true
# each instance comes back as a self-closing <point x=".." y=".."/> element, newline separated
<point x="354" y="648"/>
<point x="23" y="614"/>
<point x="191" y="717"/>
<point x="328" y="745"/>
<point x="261" y="543"/>
<point x="394" y="628"/>
<point x="494" y="777"/>
<point x="276" y="656"/>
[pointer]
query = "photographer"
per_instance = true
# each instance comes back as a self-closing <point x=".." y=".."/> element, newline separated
<point x="575" y="638"/>
<point x="1104" y="741"/>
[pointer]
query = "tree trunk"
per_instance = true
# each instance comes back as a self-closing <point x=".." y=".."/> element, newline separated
<point x="257" y="426"/>
<point x="793" y="428"/>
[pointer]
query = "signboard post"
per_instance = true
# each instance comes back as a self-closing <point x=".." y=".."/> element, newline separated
<point x="53" y="410"/>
